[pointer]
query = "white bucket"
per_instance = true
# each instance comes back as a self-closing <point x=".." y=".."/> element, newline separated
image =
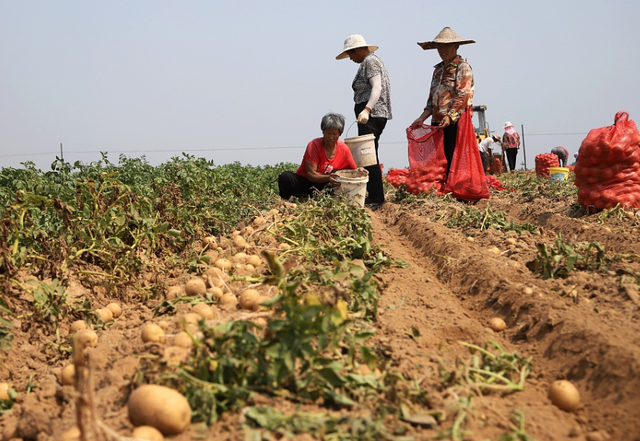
<point x="353" y="186"/>
<point x="363" y="149"/>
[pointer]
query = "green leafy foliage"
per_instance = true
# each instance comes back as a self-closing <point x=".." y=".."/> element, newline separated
<point x="559" y="262"/>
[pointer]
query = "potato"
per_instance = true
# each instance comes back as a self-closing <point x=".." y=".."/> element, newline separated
<point x="260" y="300"/>
<point x="72" y="434"/>
<point x="215" y="291"/>
<point x="4" y="391"/>
<point x="147" y="432"/>
<point x="248" y="298"/>
<point x="115" y="309"/>
<point x="284" y="246"/>
<point x="259" y="221"/>
<point x="105" y="314"/>
<point x="564" y="395"/>
<point x="497" y="324"/>
<point x="152" y="333"/>
<point x="254" y="260"/>
<point x="510" y="241"/>
<point x="77" y="325"/>
<point x="527" y="291"/>
<point x="174" y="292"/>
<point x="210" y="241"/>
<point x="68" y="375"/>
<point x="176" y="355"/>
<point x="164" y="325"/>
<point x="203" y="310"/>
<point x="228" y="301"/>
<point x="182" y="340"/>
<point x="239" y="243"/>
<point x="87" y="338"/>
<point x="161" y="407"/>
<point x="195" y="287"/>
<point x="223" y="264"/>
<point x="240" y="257"/>
<point x="190" y="318"/>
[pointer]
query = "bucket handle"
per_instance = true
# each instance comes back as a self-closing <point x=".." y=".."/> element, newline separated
<point x="347" y="134"/>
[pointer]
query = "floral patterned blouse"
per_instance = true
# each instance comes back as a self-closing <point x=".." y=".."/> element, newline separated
<point x="451" y="90"/>
<point x="371" y="66"/>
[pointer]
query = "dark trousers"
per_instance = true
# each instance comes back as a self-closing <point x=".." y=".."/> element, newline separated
<point x="484" y="156"/>
<point x="511" y="157"/>
<point x="450" y="135"/>
<point x="292" y="184"/>
<point x="375" y="125"/>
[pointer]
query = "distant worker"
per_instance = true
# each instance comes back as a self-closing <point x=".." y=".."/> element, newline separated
<point x="562" y="154"/>
<point x="511" y="144"/>
<point x="486" y="148"/>
<point x="451" y="91"/>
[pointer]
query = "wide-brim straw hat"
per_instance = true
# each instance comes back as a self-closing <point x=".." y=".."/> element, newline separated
<point x="354" y="42"/>
<point x="445" y="36"/>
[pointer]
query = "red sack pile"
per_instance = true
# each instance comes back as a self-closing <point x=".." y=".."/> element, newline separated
<point x="466" y="179"/>
<point x="426" y="179"/>
<point x="608" y="167"/>
<point x="494" y="183"/>
<point x="427" y="163"/>
<point x="397" y="176"/>
<point x="496" y="166"/>
<point x="544" y="161"/>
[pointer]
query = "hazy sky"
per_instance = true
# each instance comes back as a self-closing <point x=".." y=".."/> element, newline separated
<point x="249" y="81"/>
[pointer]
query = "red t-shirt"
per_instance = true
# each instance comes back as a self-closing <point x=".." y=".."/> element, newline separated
<point x="315" y="154"/>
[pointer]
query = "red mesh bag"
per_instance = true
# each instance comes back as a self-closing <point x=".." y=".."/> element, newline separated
<point x="466" y="179"/>
<point x="544" y="161"/>
<point x="496" y="166"/>
<point x="608" y="167"/>
<point x="427" y="163"/>
<point x="397" y="176"/>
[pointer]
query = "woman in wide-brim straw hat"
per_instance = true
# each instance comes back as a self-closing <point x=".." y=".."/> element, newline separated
<point x="451" y="90"/>
<point x="372" y="98"/>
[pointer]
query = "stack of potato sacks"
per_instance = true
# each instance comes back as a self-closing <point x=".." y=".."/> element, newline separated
<point x="608" y="167"/>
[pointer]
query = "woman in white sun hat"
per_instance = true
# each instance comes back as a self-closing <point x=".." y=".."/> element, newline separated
<point x="511" y="144"/>
<point x="451" y="90"/>
<point x="372" y="98"/>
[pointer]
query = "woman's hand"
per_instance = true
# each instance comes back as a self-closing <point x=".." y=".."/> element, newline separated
<point x="363" y="170"/>
<point x="333" y="180"/>
<point x="446" y="121"/>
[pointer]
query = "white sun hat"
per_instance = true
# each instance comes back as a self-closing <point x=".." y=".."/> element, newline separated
<point x="446" y="35"/>
<point x="508" y="124"/>
<point x="353" y="42"/>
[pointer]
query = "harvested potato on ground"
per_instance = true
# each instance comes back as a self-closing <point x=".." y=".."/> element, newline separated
<point x="195" y="287"/>
<point x="223" y="264"/>
<point x="77" y="325"/>
<point x="239" y="243"/>
<point x="115" y="309"/>
<point x="497" y="324"/>
<point x="248" y="298"/>
<point x="203" y="310"/>
<point x="564" y="395"/>
<point x="161" y="407"/>
<point x="182" y="340"/>
<point x="174" y="292"/>
<point x="4" y="391"/>
<point x="87" y="338"/>
<point x="240" y="257"/>
<point x="147" y="432"/>
<point x="254" y="260"/>
<point x="260" y="300"/>
<point x="215" y="291"/>
<point x="72" y="434"/>
<point x="228" y="301"/>
<point x="68" y="375"/>
<point x="210" y="241"/>
<point x="105" y="314"/>
<point x="176" y="355"/>
<point x="152" y="333"/>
